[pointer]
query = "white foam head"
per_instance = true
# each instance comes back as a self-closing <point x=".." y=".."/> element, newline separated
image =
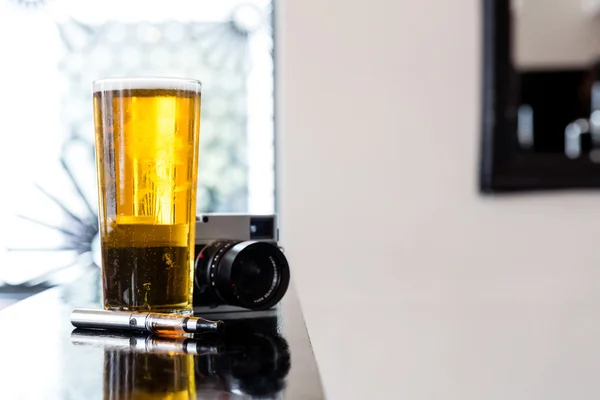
<point x="102" y="85"/>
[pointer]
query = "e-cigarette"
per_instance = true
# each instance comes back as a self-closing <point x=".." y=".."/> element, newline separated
<point x="157" y="323"/>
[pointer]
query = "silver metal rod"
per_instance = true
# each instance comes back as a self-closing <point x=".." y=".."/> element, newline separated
<point x="143" y="321"/>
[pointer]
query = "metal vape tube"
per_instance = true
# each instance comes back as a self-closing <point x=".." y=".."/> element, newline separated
<point x="160" y="324"/>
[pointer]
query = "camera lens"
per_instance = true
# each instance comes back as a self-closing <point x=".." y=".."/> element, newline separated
<point x="254" y="275"/>
<point x="249" y="274"/>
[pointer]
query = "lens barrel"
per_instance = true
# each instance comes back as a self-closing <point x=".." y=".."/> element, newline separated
<point x="249" y="274"/>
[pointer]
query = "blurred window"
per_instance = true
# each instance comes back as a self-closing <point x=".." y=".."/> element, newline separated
<point x="51" y="50"/>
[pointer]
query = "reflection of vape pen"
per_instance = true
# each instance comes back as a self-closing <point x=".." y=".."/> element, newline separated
<point x="160" y="324"/>
<point x="143" y="343"/>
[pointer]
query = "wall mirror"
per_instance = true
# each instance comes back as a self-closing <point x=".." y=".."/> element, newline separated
<point x="541" y="114"/>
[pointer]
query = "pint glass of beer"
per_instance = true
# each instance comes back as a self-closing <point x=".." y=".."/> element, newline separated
<point x="147" y="136"/>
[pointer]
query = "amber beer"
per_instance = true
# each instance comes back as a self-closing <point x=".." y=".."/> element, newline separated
<point x="147" y="136"/>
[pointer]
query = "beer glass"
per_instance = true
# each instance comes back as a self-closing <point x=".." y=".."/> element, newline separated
<point x="147" y="136"/>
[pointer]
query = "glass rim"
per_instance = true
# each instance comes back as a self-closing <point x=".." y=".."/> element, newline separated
<point x="150" y="82"/>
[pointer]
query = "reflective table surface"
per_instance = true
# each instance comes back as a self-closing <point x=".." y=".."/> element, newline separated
<point x="262" y="355"/>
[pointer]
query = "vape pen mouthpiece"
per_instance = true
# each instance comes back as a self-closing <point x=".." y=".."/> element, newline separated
<point x="199" y="325"/>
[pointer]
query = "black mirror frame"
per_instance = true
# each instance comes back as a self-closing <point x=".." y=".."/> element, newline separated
<point x="503" y="166"/>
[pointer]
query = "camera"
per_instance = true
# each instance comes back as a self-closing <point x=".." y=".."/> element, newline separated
<point x="238" y="262"/>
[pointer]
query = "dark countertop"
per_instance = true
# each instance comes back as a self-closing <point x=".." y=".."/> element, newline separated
<point x="264" y="355"/>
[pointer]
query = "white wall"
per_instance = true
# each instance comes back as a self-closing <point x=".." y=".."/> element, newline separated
<point x="405" y="272"/>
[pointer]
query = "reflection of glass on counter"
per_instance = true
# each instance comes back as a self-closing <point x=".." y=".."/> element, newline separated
<point x="251" y="359"/>
<point x="136" y="375"/>
<point x="143" y="367"/>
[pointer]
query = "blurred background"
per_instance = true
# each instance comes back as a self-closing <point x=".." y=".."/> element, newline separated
<point x="457" y="295"/>
<point x="51" y="52"/>
<point x="379" y="129"/>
